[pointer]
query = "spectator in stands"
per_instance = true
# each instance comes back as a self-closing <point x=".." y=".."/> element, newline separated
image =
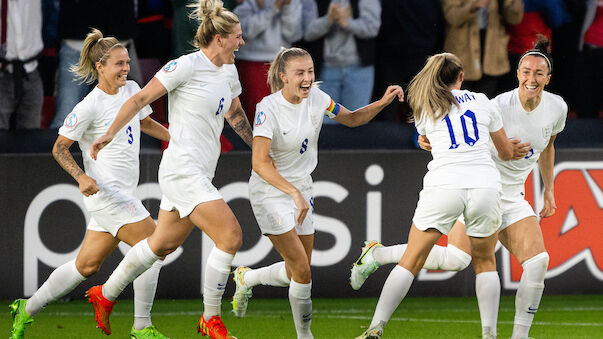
<point x="590" y="86"/>
<point x="21" y="89"/>
<point x="347" y="29"/>
<point x="268" y="25"/>
<point x="540" y="17"/>
<point x="411" y="31"/>
<point x="476" y="33"/>
<point x="113" y="17"/>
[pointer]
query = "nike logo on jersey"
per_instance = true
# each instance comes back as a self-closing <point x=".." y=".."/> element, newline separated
<point x="202" y="85"/>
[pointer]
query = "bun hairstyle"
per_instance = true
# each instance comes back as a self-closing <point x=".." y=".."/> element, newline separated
<point x="96" y="49"/>
<point x="279" y="64"/>
<point x="429" y="91"/>
<point x="214" y="19"/>
<point x="541" y="49"/>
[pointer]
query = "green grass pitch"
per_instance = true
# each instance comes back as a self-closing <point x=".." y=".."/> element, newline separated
<point x="575" y="316"/>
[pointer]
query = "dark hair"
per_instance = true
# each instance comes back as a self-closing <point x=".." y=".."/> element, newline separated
<point x="541" y="49"/>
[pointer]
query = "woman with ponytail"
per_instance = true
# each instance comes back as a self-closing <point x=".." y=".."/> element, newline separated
<point x="461" y="180"/>
<point x="535" y="117"/>
<point x="107" y="184"/>
<point x="203" y="90"/>
<point x="284" y="155"/>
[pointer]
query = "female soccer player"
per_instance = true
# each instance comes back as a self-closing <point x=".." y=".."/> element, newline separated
<point x="107" y="184"/>
<point x="462" y="178"/>
<point x="287" y="125"/>
<point x="203" y="90"/>
<point x="534" y="116"/>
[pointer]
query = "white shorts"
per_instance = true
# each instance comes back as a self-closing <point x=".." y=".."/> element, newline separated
<point x="112" y="217"/>
<point x="185" y="192"/>
<point x="439" y="208"/>
<point x="514" y="207"/>
<point x="275" y="211"/>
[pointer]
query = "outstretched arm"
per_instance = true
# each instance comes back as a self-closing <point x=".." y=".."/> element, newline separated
<point x="60" y="152"/>
<point x="151" y="92"/>
<point x="238" y="121"/>
<point x="364" y="114"/>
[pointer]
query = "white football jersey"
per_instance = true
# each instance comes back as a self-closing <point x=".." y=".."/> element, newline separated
<point x="535" y="127"/>
<point x="293" y="130"/>
<point x="199" y="94"/>
<point x="116" y="167"/>
<point x="459" y="141"/>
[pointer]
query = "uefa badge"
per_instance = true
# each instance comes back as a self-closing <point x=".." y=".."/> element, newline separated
<point x="170" y="66"/>
<point x="260" y="118"/>
<point x="71" y="120"/>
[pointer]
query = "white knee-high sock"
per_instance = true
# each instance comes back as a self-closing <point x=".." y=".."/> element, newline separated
<point x="273" y="275"/>
<point x="60" y="282"/>
<point x="389" y="254"/>
<point x="447" y="258"/>
<point x="217" y="270"/>
<point x="487" y="289"/>
<point x="138" y="259"/>
<point x="300" y="298"/>
<point x="144" y="294"/>
<point x="394" y="290"/>
<point x="529" y="293"/>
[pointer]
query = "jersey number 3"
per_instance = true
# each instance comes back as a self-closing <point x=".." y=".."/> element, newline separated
<point x="130" y="136"/>
<point x="468" y="140"/>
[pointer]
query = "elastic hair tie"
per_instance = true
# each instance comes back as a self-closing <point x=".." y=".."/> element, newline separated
<point x="548" y="62"/>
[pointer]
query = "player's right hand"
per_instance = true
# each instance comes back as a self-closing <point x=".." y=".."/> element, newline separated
<point x="87" y="185"/>
<point x="302" y="207"/>
<point x="99" y="144"/>
<point x="424" y="143"/>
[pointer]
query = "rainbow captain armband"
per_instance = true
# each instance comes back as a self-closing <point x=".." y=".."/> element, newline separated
<point x="332" y="110"/>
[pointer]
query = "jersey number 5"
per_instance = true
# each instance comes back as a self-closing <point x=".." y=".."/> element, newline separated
<point x="468" y="140"/>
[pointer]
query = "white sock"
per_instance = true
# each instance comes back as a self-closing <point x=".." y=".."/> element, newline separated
<point x="394" y="290"/>
<point x="487" y="289"/>
<point x="217" y="270"/>
<point x="300" y="298"/>
<point x="60" y="282"/>
<point x="273" y="275"/>
<point x="389" y="254"/>
<point x="447" y="258"/>
<point x="138" y="259"/>
<point x="144" y="294"/>
<point x="529" y="293"/>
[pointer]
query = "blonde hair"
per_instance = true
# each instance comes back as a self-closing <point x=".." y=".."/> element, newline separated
<point x="279" y="63"/>
<point x="96" y="49"/>
<point x="214" y="18"/>
<point x="429" y="92"/>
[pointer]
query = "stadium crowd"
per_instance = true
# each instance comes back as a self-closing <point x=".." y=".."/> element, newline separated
<point x="359" y="47"/>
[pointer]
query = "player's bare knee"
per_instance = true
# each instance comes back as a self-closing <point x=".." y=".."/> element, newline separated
<point x="88" y="267"/>
<point x="301" y="273"/>
<point x="230" y="242"/>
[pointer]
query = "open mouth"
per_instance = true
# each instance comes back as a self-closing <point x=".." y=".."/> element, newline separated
<point x="305" y="87"/>
<point x="531" y="88"/>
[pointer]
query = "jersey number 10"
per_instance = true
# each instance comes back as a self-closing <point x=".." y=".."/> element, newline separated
<point x="468" y="140"/>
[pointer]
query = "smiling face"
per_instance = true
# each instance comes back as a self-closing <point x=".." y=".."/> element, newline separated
<point x="231" y="43"/>
<point x="298" y="78"/>
<point x="114" y="72"/>
<point x="533" y="75"/>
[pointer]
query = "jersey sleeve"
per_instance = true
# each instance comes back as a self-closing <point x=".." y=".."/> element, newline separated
<point x="235" y="84"/>
<point x="560" y="123"/>
<point x="496" y="122"/>
<point x="175" y="73"/>
<point x="324" y="102"/>
<point x="263" y="124"/>
<point x="420" y="125"/>
<point x="133" y="89"/>
<point x="77" y="122"/>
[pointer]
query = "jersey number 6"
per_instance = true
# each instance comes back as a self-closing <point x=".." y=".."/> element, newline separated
<point x="468" y="140"/>
<point x="220" y="106"/>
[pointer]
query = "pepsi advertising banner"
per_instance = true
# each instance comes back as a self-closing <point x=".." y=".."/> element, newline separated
<point x="358" y="195"/>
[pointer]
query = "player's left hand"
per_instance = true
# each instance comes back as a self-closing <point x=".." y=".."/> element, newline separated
<point x="424" y="143"/>
<point x="549" y="204"/>
<point x="392" y="92"/>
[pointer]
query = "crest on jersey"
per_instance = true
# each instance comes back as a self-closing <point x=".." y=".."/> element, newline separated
<point x="260" y="118"/>
<point x="170" y="66"/>
<point x="71" y="120"/>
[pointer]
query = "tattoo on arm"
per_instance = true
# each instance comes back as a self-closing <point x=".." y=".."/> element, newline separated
<point x="240" y="124"/>
<point x="62" y="155"/>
